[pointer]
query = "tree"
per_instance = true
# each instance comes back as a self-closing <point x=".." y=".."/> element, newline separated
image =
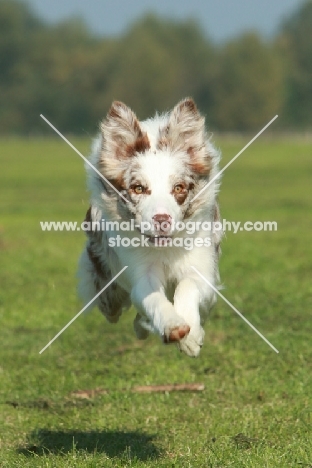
<point x="44" y="69"/>
<point x="17" y="25"/>
<point x="156" y="63"/>
<point x="295" y="44"/>
<point x="247" y="86"/>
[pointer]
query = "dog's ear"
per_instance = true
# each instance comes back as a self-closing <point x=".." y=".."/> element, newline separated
<point x="185" y="132"/>
<point x="121" y="132"/>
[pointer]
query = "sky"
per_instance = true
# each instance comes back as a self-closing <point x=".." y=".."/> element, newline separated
<point x="220" y="19"/>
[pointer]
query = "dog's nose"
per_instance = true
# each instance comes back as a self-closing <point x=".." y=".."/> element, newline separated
<point x="162" y="218"/>
<point x="162" y="222"/>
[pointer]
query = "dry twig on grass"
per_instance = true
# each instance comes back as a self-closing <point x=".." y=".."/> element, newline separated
<point x="186" y="387"/>
<point x="192" y="387"/>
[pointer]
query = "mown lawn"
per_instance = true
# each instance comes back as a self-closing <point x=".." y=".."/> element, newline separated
<point x="256" y="408"/>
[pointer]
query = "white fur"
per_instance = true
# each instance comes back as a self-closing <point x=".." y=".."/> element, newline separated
<point x="159" y="281"/>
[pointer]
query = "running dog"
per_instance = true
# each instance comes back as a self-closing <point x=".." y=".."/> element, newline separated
<point x="149" y="180"/>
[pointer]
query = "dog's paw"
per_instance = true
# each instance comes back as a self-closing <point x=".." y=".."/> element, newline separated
<point x="141" y="331"/>
<point x="192" y="343"/>
<point x="112" y="317"/>
<point x="175" y="332"/>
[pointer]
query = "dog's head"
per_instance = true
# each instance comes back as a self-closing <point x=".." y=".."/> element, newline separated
<point x="159" y="165"/>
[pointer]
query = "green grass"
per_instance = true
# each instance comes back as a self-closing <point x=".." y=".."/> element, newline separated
<point x="256" y="409"/>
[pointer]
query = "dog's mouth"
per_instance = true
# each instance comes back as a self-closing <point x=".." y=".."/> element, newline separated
<point x="159" y="241"/>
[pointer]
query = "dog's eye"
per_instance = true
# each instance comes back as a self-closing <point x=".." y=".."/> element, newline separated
<point x="178" y="188"/>
<point x="138" y="189"/>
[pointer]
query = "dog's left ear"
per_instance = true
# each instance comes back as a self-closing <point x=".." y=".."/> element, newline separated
<point x="186" y="132"/>
<point x="121" y="132"/>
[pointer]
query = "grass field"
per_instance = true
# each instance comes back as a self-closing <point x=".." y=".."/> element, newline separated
<point x="256" y="408"/>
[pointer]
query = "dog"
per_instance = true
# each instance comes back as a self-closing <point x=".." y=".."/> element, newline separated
<point x="145" y="176"/>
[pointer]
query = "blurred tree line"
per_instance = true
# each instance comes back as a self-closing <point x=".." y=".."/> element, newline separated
<point x="72" y="76"/>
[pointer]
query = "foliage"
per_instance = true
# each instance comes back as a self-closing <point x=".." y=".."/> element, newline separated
<point x="159" y="61"/>
<point x="295" y="44"/>
<point x="72" y="76"/>
<point x="247" y="85"/>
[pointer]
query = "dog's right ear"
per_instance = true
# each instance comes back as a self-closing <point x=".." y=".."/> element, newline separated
<point x="121" y="132"/>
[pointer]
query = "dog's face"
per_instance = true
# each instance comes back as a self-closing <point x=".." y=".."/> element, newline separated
<point x="158" y="165"/>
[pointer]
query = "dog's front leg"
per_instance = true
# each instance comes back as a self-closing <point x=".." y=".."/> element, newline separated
<point x="156" y="312"/>
<point x="188" y="297"/>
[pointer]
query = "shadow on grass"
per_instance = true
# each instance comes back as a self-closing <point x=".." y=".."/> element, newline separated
<point x="112" y="443"/>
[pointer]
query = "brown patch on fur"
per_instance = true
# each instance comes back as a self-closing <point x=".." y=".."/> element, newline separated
<point x="140" y="145"/>
<point x="119" y="182"/>
<point x="199" y="165"/>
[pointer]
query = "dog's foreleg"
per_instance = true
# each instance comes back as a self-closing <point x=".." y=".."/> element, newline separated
<point x="157" y="312"/>
<point x="188" y="298"/>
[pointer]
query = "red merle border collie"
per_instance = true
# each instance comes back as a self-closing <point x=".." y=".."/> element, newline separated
<point x="158" y="166"/>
